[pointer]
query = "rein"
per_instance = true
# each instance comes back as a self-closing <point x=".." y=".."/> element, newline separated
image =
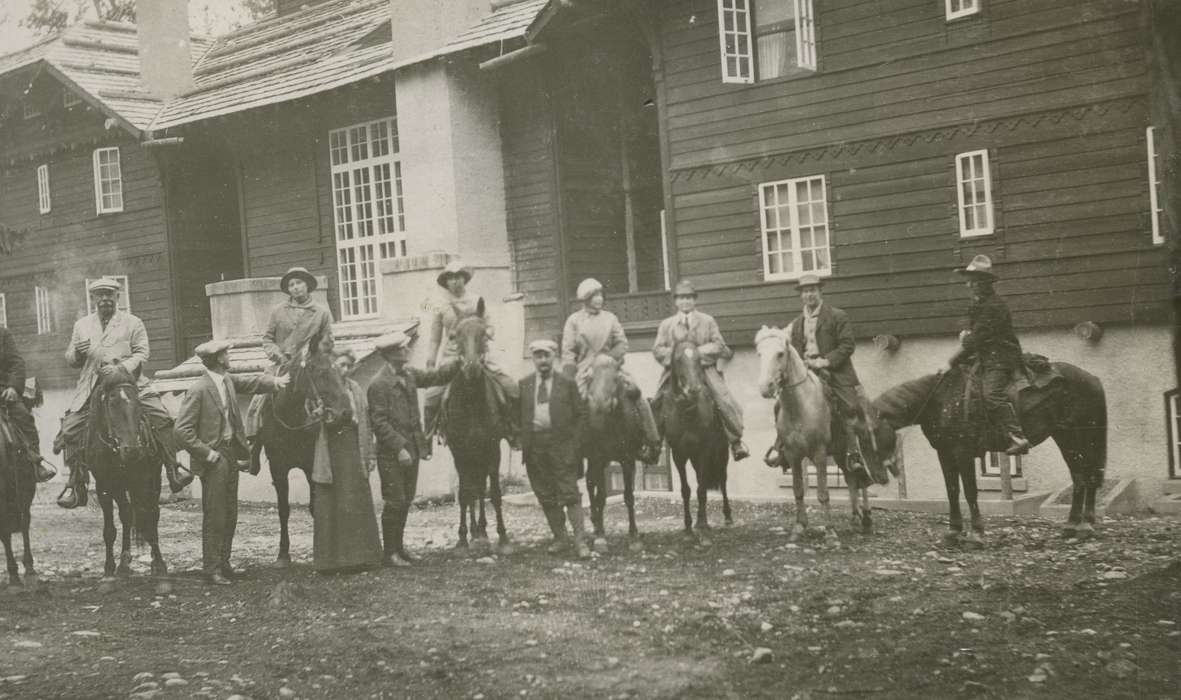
<point x="312" y="417"/>
<point x="103" y="433"/>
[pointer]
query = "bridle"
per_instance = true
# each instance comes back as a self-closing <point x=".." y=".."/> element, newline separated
<point x="781" y="381"/>
<point x="130" y="393"/>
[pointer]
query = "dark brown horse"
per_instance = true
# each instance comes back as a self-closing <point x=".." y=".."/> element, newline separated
<point x="473" y="423"/>
<point x="693" y="429"/>
<point x="125" y="457"/>
<point x="610" y="434"/>
<point x="17" y="487"/>
<point x="1072" y="411"/>
<point x="315" y="397"/>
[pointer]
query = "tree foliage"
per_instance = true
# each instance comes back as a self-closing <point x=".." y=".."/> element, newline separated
<point x="47" y="17"/>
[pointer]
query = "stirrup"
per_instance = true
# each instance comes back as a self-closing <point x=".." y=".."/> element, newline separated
<point x="70" y="502"/>
<point x="739" y="451"/>
<point x="44" y="470"/>
<point x="773" y="458"/>
<point x="1017" y="445"/>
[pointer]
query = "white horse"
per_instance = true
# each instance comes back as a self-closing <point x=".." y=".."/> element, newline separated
<point x="804" y="421"/>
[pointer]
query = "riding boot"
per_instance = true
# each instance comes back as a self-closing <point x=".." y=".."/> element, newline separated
<point x="1006" y="417"/>
<point x="178" y="476"/>
<point x="557" y="525"/>
<point x="578" y="524"/>
<point x="739" y="451"/>
<point x="44" y="469"/>
<point x="75" y="493"/>
<point x="403" y="514"/>
<point x="854" y="461"/>
<point x="389" y="541"/>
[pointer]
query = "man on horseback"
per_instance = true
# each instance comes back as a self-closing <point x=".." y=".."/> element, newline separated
<point x="292" y="324"/>
<point x="991" y="341"/>
<point x="99" y="339"/>
<point x="12" y="378"/>
<point x="459" y="304"/>
<point x="701" y="329"/>
<point x="593" y="331"/>
<point x="823" y="336"/>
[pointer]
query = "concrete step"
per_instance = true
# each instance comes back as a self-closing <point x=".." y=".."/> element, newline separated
<point x="1172" y="487"/>
<point x="1115" y="496"/>
<point x="1169" y="504"/>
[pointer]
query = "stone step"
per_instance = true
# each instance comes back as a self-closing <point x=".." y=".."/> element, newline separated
<point x="1171" y="487"/>
<point x="1167" y="505"/>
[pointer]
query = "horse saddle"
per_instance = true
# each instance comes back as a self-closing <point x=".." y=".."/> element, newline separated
<point x="1027" y="384"/>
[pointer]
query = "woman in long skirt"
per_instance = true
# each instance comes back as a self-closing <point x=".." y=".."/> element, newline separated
<point x="345" y="524"/>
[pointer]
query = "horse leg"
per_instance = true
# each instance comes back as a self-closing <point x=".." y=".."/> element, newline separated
<point x="483" y="521"/>
<point x="629" y="499"/>
<point x="598" y="502"/>
<point x="686" y="493"/>
<point x="727" y="515"/>
<point x="702" y="494"/>
<point x="866" y="519"/>
<point x="854" y="503"/>
<point x="107" y="504"/>
<point x="14" y="574"/>
<point x="501" y="531"/>
<point x="820" y="458"/>
<point x="126" y="519"/>
<point x="283" y="505"/>
<point x="799" y="487"/>
<point x="951" y="482"/>
<point x="462" y="543"/>
<point x="27" y="557"/>
<point x="967" y="470"/>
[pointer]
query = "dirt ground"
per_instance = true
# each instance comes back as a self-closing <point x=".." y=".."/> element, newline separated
<point x="893" y="615"/>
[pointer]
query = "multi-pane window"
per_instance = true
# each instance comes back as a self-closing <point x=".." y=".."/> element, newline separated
<point x="70" y="98"/>
<point x="43" y="308"/>
<point x="764" y="39"/>
<point x="793" y="215"/>
<point x="30" y="109"/>
<point x="989" y="464"/>
<point x="1154" y="207"/>
<point x="43" y="201"/>
<point x="1173" y="416"/>
<point x="974" y="191"/>
<point x="961" y="8"/>
<point x="368" y="211"/>
<point x="3" y="310"/>
<point x="108" y="180"/>
<point x="124" y="301"/>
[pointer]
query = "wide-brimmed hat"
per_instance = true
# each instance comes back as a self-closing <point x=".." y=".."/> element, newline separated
<point x="454" y="269"/>
<point x="809" y="280"/>
<point x="104" y="283"/>
<point x="543" y="345"/>
<point x="212" y="347"/>
<point x="298" y="273"/>
<point x="685" y="288"/>
<point x="587" y="288"/>
<point x="981" y="266"/>
<point x="394" y="340"/>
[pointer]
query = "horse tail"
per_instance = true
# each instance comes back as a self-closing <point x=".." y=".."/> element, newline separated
<point x="1097" y="432"/>
<point x="714" y="473"/>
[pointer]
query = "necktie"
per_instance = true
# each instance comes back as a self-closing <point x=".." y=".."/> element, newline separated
<point x="543" y="391"/>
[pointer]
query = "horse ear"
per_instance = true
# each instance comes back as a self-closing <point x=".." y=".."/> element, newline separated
<point x="480" y="307"/>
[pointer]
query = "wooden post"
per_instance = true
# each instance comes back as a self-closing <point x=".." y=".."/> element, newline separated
<point x="629" y="224"/>
<point x="1006" y="477"/>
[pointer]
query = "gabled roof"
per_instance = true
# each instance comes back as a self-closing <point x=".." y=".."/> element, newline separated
<point x="99" y="61"/>
<point x="506" y="23"/>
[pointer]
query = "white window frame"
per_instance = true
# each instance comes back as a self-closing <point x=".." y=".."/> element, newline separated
<point x="30" y="109"/>
<point x="966" y="8"/>
<point x="988" y="464"/>
<point x="44" y="203"/>
<point x="368" y="211"/>
<point x="973" y="174"/>
<point x="1154" y="207"/>
<point x="3" y="310"/>
<point x="70" y="98"/>
<point x="108" y="201"/>
<point x="124" y="302"/>
<point x="43" y="308"/>
<point x="1173" y="431"/>
<point x="734" y="22"/>
<point x="769" y="203"/>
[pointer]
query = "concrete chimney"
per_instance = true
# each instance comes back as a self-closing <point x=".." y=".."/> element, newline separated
<point x="165" y="57"/>
<point x="423" y="26"/>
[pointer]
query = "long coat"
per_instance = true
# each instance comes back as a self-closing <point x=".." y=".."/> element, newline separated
<point x="12" y="365"/>
<point x="586" y="335"/>
<point x="124" y="338"/>
<point x="834" y="340"/>
<point x="200" y="422"/>
<point x="990" y="333"/>
<point x="703" y="331"/>
<point x="291" y="325"/>
<point x="566" y="414"/>
<point x="394" y="417"/>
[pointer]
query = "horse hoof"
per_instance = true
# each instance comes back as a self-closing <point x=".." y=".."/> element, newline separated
<point x="635" y="545"/>
<point x="867" y="526"/>
<point x="462" y="544"/>
<point x="107" y="586"/>
<point x="505" y="549"/>
<point x="704" y="527"/>
<point x="953" y="537"/>
<point x="283" y="563"/>
<point x="600" y="545"/>
<point x="159" y="568"/>
<point x="704" y="542"/>
<point x="729" y="521"/>
<point x="973" y="540"/>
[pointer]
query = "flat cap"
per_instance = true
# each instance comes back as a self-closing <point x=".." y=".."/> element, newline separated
<point x="543" y="345"/>
<point x="396" y="340"/>
<point x="104" y="283"/>
<point x="211" y="347"/>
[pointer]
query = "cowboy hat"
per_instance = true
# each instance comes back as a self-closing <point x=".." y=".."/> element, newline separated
<point x="981" y="266"/>
<point x="212" y="347"/>
<point x="809" y="280"/>
<point x="587" y="288"/>
<point x="543" y="345"/>
<point x="300" y="273"/>
<point x="104" y="283"/>
<point x="454" y="269"/>
<point x="684" y="288"/>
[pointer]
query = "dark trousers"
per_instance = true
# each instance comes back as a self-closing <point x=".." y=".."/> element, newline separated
<point x="552" y="474"/>
<point x="399" y="484"/>
<point x="994" y="380"/>
<point x="23" y="422"/>
<point x="219" y="504"/>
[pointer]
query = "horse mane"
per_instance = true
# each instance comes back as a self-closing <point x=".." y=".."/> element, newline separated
<point x="900" y="405"/>
<point x="771" y="333"/>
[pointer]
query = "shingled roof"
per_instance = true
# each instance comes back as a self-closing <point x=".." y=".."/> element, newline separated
<point x="99" y="61"/>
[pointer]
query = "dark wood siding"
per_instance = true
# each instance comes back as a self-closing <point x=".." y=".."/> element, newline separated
<point x="72" y="242"/>
<point x="1057" y="92"/>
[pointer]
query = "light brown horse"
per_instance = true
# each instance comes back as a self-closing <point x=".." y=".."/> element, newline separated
<point x="804" y="422"/>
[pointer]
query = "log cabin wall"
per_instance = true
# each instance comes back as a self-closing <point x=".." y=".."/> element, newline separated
<point x="1056" y="92"/>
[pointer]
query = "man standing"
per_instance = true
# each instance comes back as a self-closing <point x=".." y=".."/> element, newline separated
<point x="12" y="378"/>
<point x="209" y="428"/>
<point x="551" y="416"/>
<point x="105" y="336"/>
<point x="593" y="331"/>
<point x="990" y="338"/>
<point x="823" y="337"/>
<point x="291" y="325"/>
<point x="397" y="425"/>
<point x="702" y="330"/>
